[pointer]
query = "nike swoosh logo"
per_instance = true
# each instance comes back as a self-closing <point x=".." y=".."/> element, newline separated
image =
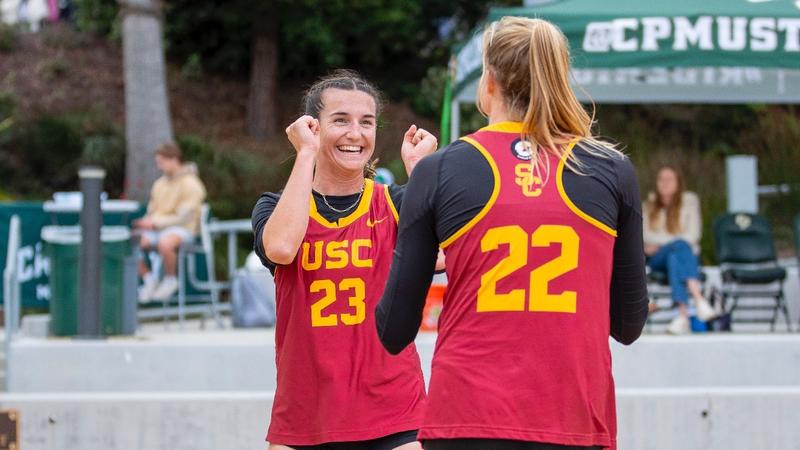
<point x="371" y="223"/>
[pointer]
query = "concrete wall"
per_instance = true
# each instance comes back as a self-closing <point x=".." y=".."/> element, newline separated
<point x="209" y="391"/>
<point x="648" y="419"/>
<point x="142" y="420"/>
<point x="47" y="365"/>
<point x="708" y="419"/>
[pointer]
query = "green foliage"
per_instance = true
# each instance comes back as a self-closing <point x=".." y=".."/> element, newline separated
<point x="7" y="105"/>
<point x="96" y="16"/>
<point x="427" y="100"/>
<point x="108" y="152"/>
<point x="393" y="41"/>
<point x="8" y="38"/>
<point x="192" y="69"/>
<point x="234" y="178"/>
<point x="42" y="154"/>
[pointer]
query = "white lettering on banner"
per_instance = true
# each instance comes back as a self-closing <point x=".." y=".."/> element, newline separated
<point x="763" y="37"/>
<point x="730" y="76"/>
<point x="31" y="262"/>
<point x="598" y="37"/>
<point x="620" y="27"/>
<point x="654" y="29"/>
<point x="698" y="34"/>
<point x="732" y="38"/>
<point x="792" y="29"/>
<point x="41" y="263"/>
<point x="42" y="292"/>
<point x="661" y="76"/>
<point x="25" y="267"/>
<point x="582" y="76"/>
<point x="685" y="77"/>
<point x="762" y="34"/>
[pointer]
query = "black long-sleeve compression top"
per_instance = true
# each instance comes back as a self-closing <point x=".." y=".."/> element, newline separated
<point x="452" y="186"/>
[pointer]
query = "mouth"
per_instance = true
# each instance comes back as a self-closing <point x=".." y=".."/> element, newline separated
<point x="350" y="148"/>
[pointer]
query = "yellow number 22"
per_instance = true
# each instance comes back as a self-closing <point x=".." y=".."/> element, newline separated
<point x="539" y="297"/>
<point x="356" y="300"/>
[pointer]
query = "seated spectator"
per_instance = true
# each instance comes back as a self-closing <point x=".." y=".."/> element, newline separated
<point x="672" y="228"/>
<point x="173" y="217"/>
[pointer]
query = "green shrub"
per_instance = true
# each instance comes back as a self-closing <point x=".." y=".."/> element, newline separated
<point x="41" y="155"/>
<point x="192" y="69"/>
<point x="427" y="100"/>
<point x="108" y="152"/>
<point x="96" y="16"/>
<point x="234" y="178"/>
<point x="8" y="38"/>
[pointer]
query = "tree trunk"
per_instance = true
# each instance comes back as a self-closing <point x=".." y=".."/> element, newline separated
<point x="147" y="118"/>
<point x="262" y="109"/>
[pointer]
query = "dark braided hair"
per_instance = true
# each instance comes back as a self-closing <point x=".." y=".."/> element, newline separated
<point x="347" y="80"/>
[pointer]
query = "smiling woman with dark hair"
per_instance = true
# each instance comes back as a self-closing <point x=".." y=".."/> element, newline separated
<point x="328" y="237"/>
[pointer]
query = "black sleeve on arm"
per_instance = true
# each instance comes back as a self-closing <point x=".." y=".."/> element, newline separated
<point x="261" y="213"/>
<point x="399" y="313"/>
<point x="628" y="284"/>
<point x="396" y="193"/>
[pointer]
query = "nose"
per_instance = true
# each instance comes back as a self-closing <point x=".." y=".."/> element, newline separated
<point x="354" y="131"/>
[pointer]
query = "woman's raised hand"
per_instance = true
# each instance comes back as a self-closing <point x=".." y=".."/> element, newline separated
<point x="303" y="133"/>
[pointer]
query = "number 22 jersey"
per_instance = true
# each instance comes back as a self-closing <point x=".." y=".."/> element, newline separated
<point x="335" y="381"/>
<point x="522" y="351"/>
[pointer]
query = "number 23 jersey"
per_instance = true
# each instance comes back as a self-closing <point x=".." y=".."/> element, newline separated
<point x="522" y="351"/>
<point x="335" y="380"/>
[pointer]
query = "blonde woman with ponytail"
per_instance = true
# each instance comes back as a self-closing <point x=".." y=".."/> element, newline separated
<point x="541" y="225"/>
<point x="328" y="238"/>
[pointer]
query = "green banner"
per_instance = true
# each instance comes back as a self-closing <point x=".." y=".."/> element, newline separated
<point x="677" y="33"/>
<point x="666" y="37"/>
<point x="34" y="267"/>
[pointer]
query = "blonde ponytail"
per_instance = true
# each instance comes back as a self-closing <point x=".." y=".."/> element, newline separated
<point x="530" y="60"/>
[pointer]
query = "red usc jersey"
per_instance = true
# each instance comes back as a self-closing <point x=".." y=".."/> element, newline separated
<point x="522" y="351"/>
<point x="335" y="380"/>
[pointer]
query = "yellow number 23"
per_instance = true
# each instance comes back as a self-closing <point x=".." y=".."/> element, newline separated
<point x="539" y="298"/>
<point x="329" y="288"/>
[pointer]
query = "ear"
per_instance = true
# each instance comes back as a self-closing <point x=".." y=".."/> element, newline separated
<point x="491" y="81"/>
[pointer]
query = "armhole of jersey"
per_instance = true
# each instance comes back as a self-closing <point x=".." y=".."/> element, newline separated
<point x="567" y="201"/>
<point x="495" y="192"/>
<point x="391" y="204"/>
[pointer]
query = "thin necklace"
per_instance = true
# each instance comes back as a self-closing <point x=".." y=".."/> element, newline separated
<point x="325" y="199"/>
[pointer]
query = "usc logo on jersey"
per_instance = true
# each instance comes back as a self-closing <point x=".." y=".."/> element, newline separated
<point x="531" y="184"/>
<point x="336" y="255"/>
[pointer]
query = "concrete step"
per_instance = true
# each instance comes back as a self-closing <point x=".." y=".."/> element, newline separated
<point x="232" y="361"/>
<point x="648" y="419"/>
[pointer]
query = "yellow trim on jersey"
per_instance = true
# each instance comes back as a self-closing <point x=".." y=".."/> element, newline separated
<point x="391" y="203"/>
<point x="568" y="201"/>
<point x="363" y="207"/>
<point x="506" y="127"/>
<point x="492" y="198"/>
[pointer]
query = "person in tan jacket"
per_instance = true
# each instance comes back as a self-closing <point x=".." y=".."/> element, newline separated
<point x="672" y="227"/>
<point x="173" y="217"/>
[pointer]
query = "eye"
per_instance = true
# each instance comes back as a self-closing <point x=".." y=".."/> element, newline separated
<point x="367" y="123"/>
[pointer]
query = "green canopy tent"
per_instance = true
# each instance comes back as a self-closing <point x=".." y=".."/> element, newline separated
<point x="677" y="51"/>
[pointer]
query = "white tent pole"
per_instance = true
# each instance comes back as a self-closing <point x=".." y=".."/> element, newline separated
<point x="455" y="119"/>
